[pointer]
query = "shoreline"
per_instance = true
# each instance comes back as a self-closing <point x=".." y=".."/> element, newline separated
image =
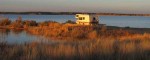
<point x="73" y="13"/>
<point x="109" y="31"/>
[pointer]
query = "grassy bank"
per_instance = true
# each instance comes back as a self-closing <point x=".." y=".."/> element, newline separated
<point x="79" y="32"/>
<point x="73" y="31"/>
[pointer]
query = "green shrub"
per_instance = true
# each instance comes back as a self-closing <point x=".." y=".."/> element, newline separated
<point x="71" y="22"/>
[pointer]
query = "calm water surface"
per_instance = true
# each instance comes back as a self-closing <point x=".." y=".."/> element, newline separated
<point x="126" y="21"/>
<point x="11" y="36"/>
<point x="19" y="36"/>
<point x="122" y="21"/>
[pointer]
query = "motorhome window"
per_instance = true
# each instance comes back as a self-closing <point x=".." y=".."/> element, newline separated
<point x="94" y="18"/>
<point x="77" y="15"/>
<point x="80" y="18"/>
<point x="83" y="18"/>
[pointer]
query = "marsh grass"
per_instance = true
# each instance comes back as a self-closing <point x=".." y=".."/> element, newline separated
<point x="96" y="50"/>
<point x="74" y="31"/>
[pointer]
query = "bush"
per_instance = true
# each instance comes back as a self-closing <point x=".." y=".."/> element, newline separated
<point x="92" y="35"/>
<point x="80" y="32"/>
<point x="5" y="22"/>
<point x="30" y="23"/>
<point x="17" y="24"/>
<point x="71" y="22"/>
<point x="46" y="23"/>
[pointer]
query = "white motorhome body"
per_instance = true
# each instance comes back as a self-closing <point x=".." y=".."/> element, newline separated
<point x="87" y="19"/>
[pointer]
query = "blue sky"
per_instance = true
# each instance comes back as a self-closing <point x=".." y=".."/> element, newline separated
<point x="106" y="6"/>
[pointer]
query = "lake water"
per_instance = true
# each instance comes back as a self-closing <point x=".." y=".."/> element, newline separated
<point x="11" y="36"/>
<point x="21" y="37"/>
<point x="18" y="36"/>
<point x="121" y="21"/>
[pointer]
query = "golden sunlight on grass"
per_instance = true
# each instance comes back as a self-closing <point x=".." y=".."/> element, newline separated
<point x="96" y="49"/>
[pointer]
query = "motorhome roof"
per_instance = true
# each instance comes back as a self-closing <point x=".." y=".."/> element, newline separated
<point x="85" y="14"/>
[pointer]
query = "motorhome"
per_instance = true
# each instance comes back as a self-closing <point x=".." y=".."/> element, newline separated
<point x="87" y="19"/>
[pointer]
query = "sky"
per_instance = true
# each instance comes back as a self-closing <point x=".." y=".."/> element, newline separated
<point x="93" y="6"/>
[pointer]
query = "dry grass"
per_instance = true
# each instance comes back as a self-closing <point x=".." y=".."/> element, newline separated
<point x="127" y="47"/>
<point x="144" y="36"/>
<point x="92" y="50"/>
<point x="74" y="31"/>
<point x="4" y="22"/>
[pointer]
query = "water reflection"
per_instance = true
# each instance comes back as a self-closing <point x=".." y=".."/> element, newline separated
<point x="3" y="34"/>
<point x="4" y="31"/>
<point x="16" y="31"/>
<point x="14" y="36"/>
<point x="18" y="36"/>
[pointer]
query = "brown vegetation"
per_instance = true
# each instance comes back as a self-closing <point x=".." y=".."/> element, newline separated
<point x="5" y="22"/>
<point x="101" y="49"/>
<point x="17" y="24"/>
<point x="74" y="31"/>
<point x="68" y="30"/>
